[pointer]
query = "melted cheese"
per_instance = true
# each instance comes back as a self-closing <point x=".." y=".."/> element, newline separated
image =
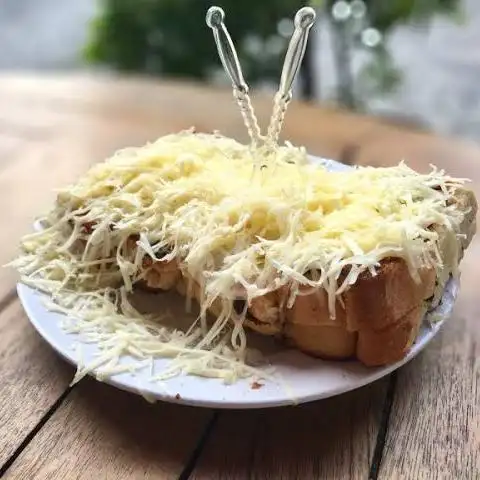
<point x="236" y="221"/>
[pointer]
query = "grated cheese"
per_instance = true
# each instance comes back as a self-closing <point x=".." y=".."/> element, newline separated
<point x="236" y="222"/>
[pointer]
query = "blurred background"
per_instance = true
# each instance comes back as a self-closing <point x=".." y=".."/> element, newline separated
<point x="412" y="61"/>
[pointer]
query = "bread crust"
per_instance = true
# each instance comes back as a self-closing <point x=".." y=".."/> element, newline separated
<point x="379" y="301"/>
<point x="385" y="310"/>
<point x="377" y="319"/>
<point x="324" y="341"/>
<point x="390" y="344"/>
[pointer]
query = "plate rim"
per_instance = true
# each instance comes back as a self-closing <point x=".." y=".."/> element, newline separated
<point x="255" y="402"/>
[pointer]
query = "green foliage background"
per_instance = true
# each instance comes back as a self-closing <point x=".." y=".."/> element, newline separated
<point x="170" y="37"/>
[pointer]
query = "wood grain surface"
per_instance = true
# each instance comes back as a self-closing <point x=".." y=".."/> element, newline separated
<point x="424" y="425"/>
<point x="334" y="438"/>
<point x="32" y="379"/>
<point x="434" y="428"/>
<point x="101" y="432"/>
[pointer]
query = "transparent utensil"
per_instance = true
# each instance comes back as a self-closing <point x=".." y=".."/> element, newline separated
<point x="228" y="56"/>
<point x="304" y="19"/>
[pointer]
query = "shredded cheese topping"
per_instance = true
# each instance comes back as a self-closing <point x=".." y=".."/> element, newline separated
<point x="238" y="224"/>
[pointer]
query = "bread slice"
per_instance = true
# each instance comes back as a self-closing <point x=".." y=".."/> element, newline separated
<point x="324" y="341"/>
<point x="385" y="311"/>
<point x="390" y="344"/>
<point x="377" y="319"/>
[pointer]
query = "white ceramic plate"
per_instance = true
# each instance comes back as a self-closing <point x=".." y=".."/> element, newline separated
<point x="304" y="378"/>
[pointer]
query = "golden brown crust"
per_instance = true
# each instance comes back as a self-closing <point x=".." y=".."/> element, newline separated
<point x="261" y="327"/>
<point x="381" y="308"/>
<point x="379" y="301"/>
<point x="323" y="341"/>
<point x="386" y="310"/>
<point x="163" y="275"/>
<point x="391" y="344"/>
<point x="377" y="318"/>
<point x="312" y="309"/>
<point x="266" y="307"/>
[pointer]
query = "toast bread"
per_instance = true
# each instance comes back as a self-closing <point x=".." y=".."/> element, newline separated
<point x="377" y="318"/>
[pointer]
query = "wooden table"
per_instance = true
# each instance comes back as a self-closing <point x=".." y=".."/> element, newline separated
<point x="420" y="423"/>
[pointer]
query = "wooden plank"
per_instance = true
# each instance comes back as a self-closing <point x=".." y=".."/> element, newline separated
<point x="33" y="378"/>
<point x="180" y="105"/>
<point x="386" y="145"/>
<point x="333" y="438"/>
<point x="102" y="432"/>
<point x="434" y="429"/>
<point x="155" y="108"/>
<point x="69" y="123"/>
<point x="34" y="163"/>
<point x="25" y="192"/>
<point x="37" y="164"/>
